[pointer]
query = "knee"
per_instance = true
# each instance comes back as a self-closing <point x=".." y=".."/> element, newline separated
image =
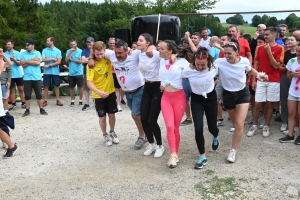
<point x="136" y="117"/>
<point x="38" y="96"/>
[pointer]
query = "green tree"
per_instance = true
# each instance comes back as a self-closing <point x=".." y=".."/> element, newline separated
<point x="290" y="20"/>
<point x="272" y="22"/>
<point x="236" y="19"/>
<point x="256" y="20"/>
<point x="264" y="19"/>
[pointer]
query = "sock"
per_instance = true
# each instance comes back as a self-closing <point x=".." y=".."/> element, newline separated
<point x="72" y="100"/>
<point x="221" y="119"/>
<point x="255" y="126"/>
<point x="23" y="103"/>
<point x="80" y="100"/>
<point x="266" y="126"/>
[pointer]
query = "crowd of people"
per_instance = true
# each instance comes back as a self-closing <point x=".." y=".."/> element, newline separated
<point x="203" y="75"/>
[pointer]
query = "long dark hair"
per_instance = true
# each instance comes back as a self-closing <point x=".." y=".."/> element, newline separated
<point x="203" y="53"/>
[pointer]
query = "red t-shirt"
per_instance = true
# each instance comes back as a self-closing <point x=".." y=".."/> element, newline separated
<point x="244" y="47"/>
<point x="264" y="64"/>
<point x="221" y="54"/>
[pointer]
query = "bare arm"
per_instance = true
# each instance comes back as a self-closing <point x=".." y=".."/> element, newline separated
<point x="102" y="94"/>
<point x="192" y="46"/>
<point x="17" y="62"/>
<point x="7" y="62"/>
<point x="274" y="62"/>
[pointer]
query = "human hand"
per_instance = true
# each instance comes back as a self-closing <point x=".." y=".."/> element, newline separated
<point x="162" y="88"/>
<point x="187" y="34"/>
<point x="268" y="48"/>
<point x="103" y="95"/>
<point x="91" y="63"/>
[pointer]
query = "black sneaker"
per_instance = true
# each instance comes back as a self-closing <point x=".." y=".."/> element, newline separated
<point x="43" y="111"/>
<point x="187" y="121"/>
<point x="123" y="102"/>
<point x="11" y="152"/>
<point x="297" y="141"/>
<point x="215" y="144"/>
<point x="201" y="162"/>
<point x="277" y="117"/>
<point x="12" y="107"/>
<point x="85" y="107"/>
<point x="72" y="104"/>
<point x="23" y="105"/>
<point x="26" y="113"/>
<point x="287" y="138"/>
<point x="80" y="103"/>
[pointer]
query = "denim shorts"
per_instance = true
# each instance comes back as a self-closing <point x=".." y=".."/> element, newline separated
<point x="187" y="88"/>
<point x="231" y="99"/>
<point x="4" y="91"/>
<point x="134" y="100"/>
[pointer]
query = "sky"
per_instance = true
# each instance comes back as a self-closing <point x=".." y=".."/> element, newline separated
<point x="242" y="5"/>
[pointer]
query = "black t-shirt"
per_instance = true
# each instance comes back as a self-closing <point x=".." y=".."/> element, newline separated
<point x="287" y="56"/>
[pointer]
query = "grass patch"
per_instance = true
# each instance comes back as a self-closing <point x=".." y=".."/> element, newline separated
<point x="248" y="29"/>
<point x="216" y="187"/>
<point x="209" y="172"/>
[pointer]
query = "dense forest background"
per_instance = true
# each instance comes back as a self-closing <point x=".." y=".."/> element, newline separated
<point x="64" y="20"/>
<point x="24" y="19"/>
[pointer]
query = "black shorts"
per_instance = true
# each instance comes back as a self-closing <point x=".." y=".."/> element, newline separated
<point x="231" y="99"/>
<point x="18" y="81"/>
<point x="75" y="80"/>
<point x="36" y="86"/>
<point x="107" y="105"/>
<point x="252" y="92"/>
<point x="116" y="82"/>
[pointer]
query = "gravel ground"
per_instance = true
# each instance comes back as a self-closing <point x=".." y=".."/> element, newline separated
<point x="62" y="156"/>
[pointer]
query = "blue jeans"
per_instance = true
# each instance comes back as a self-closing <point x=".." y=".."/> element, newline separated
<point x="134" y="100"/>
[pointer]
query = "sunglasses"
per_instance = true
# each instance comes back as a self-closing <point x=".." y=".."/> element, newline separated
<point x="231" y="44"/>
<point x="111" y="38"/>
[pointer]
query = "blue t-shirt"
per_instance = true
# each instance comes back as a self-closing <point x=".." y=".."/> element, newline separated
<point x="51" y="53"/>
<point x="32" y="72"/>
<point x="280" y="41"/>
<point x="75" y="69"/>
<point x="214" y="52"/>
<point x="86" y="53"/>
<point x="16" y="71"/>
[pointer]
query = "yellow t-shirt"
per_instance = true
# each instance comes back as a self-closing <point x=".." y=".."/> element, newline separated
<point x="101" y="77"/>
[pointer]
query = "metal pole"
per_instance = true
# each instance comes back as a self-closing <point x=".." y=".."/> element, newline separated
<point x="158" y="24"/>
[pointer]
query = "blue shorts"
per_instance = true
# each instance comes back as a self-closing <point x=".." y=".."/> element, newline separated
<point x="4" y="91"/>
<point x="187" y="88"/>
<point x="55" y="80"/>
<point x="134" y="100"/>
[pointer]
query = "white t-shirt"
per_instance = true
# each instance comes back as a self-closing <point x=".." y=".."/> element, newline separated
<point x="294" y="66"/>
<point x="201" y="83"/>
<point x="127" y="71"/>
<point x="171" y="74"/>
<point x="205" y="43"/>
<point x="233" y="76"/>
<point x="149" y="67"/>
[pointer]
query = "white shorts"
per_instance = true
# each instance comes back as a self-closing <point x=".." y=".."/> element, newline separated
<point x="267" y="91"/>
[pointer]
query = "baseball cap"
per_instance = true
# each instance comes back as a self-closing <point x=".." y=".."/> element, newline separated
<point x="261" y="26"/>
<point x="30" y="41"/>
<point x="90" y="39"/>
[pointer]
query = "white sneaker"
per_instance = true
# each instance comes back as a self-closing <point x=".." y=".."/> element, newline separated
<point x="283" y="127"/>
<point x="119" y="108"/>
<point x="296" y="130"/>
<point x="266" y="131"/>
<point x="231" y="156"/>
<point x="107" y="140"/>
<point x="150" y="149"/>
<point x="262" y="124"/>
<point x="114" y="137"/>
<point x="232" y="129"/>
<point x="159" y="151"/>
<point x="252" y="131"/>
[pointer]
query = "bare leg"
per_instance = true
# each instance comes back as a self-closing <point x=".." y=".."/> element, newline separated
<point x="137" y="120"/>
<point x="5" y="138"/>
<point x="46" y="88"/>
<point x="12" y="95"/>
<point x="256" y="111"/>
<point x="80" y="92"/>
<point x="40" y="103"/>
<point x="241" y="111"/>
<point x="188" y="110"/>
<point x="292" y="109"/>
<point x="21" y="93"/>
<point x="56" y="88"/>
<point x="5" y="104"/>
<point x="268" y="111"/>
<point x="86" y="96"/>
<point x="112" y="121"/>
<point x="72" y="93"/>
<point x="117" y="91"/>
<point x="27" y="102"/>
<point x="102" y="122"/>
